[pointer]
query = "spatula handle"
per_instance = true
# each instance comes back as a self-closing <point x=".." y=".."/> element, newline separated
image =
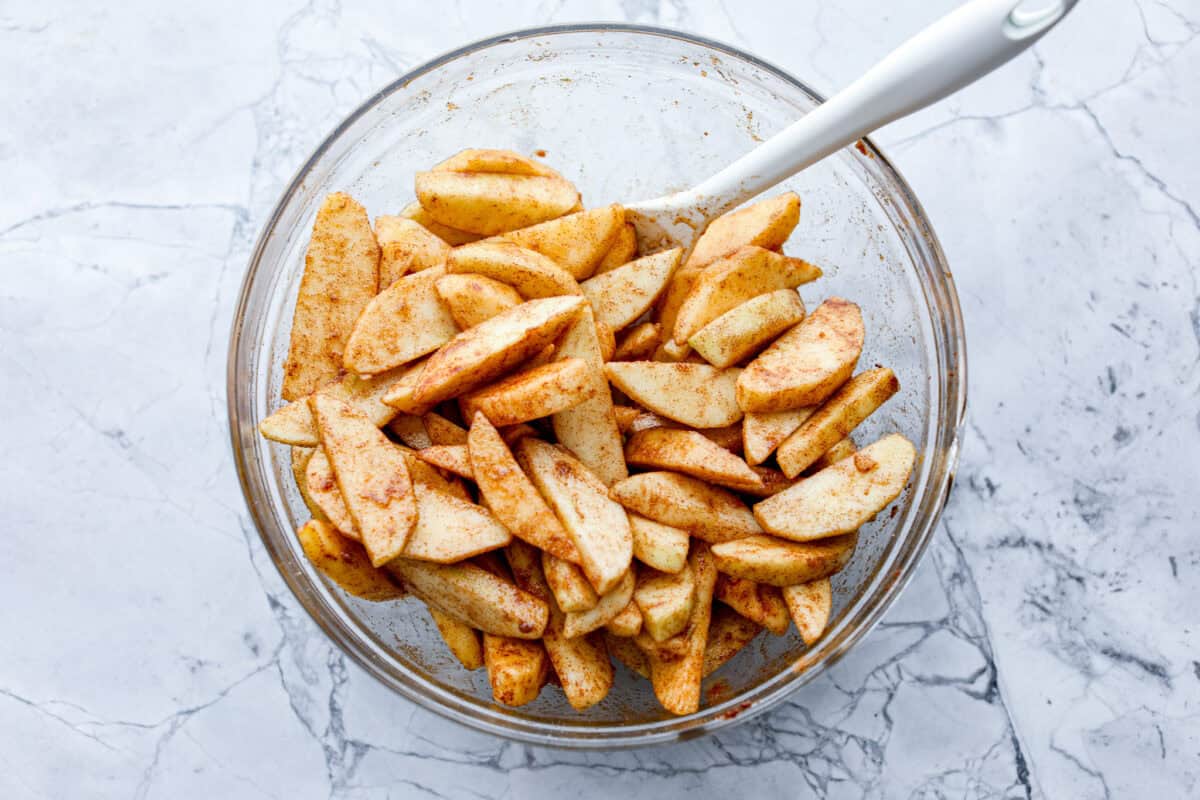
<point x="953" y="52"/>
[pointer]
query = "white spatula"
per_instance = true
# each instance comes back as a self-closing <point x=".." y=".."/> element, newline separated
<point x="953" y="52"/>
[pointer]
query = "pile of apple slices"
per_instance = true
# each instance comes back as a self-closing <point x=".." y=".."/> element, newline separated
<point x="568" y="451"/>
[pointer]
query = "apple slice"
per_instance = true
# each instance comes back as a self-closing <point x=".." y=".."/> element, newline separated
<point x="472" y="299"/>
<point x="707" y="512"/>
<point x="511" y="496"/>
<point x="475" y="596"/>
<point x="531" y="274"/>
<point x="623" y="250"/>
<point x="746" y="329"/>
<point x="493" y="203"/>
<point x="763" y="433"/>
<point x="490" y="349"/>
<point x="322" y="489"/>
<point x="293" y="423"/>
<point x="677" y="682"/>
<point x="841" y="498"/>
<point x="598" y="526"/>
<point x="345" y="563"/>
<point x="571" y="589"/>
<point x="663" y="547"/>
<point x="840" y="414"/>
<point x="665" y="600"/>
<point x="449" y="530"/>
<point x="402" y="323"/>
<point x="735" y="279"/>
<point x="626" y="651"/>
<point x="450" y="457"/>
<point x="691" y="453"/>
<point x="628" y="623"/>
<point x="372" y="475"/>
<point x="534" y="393"/>
<point x="639" y="343"/>
<point x="622" y="295"/>
<point x="778" y="562"/>
<point x="767" y="224"/>
<point x="576" y="242"/>
<point x="810" y="605"/>
<point x="611" y="604"/>
<point x="696" y="395"/>
<point x="451" y="236"/>
<point x="589" y="430"/>
<point x="406" y="246"/>
<point x="461" y="638"/>
<point x="581" y="663"/>
<point x="341" y="275"/>
<point x="806" y="364"/>
<point x="728" y="633"/>
<point x="760" y="602"/>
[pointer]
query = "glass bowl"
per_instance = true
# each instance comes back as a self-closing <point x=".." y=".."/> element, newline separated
<point x="626" y="113"/>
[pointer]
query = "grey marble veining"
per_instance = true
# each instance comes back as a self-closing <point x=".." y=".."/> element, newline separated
<point x="1048" y="646"/>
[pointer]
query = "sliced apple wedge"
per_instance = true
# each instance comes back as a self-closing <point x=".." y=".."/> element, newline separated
<point x="443" y="431"/>
<point x="607" y="608"/>
<point x="767" y="224"/>
<point x="475" y="596"/>
<point x="371" y="473"/>
<point x="451" y="236"/>
<point x="399" y="395"/>
<point x="639" y="343"/>
<point x="665" y="600"/>
<point x="626" y="651"/>
<point x="841" y="498"/>
<point x="406" y="246"/>
<point x="621" y="295"/>
<point x="589" y="430"/>
<point x="663" y="547"/>
<point x="472" y="299"/>
<point x="581" y="663"/>
<point x="624" y="249"/>
<point x="597" y="524"/>
<point x="728" y="633"/>
<point x="778" y="562"/>
<point x="696" y="395"/>
<point x="402" y="323"/>
<point x="450" y="457"/>
<point x="293" y="423"/>
<point x="707" y="512"/>
<point x="691" y="453"/>
<point x="746" y="329"/>
<point x="490" y="349"/>
<point x="763" y="433"/>
<point x="511" y="496"/>
<point x="571" y="589"/>
<point x="345" y="562"/>
<point x="533" y="393"/>
<point x="760" y="602"/>
<point x="677" y="683"/>
<point x="411" y="431"/>
<point x="531" y="274"/>
<point x="461" y="638"/>
<point x="735" y="279"/>
<point x="576" y="242"/>
<point x="493" y="203"/>
<point x="300" y="456"/>
<point x="321" y="487"/>
<point x="341" y="275"/>
<point x="810" y="605"/>
<point x="858" y="398"/>
<point x="843" y="449"/>
<point x="449" y="530"/>
<point x="628" y="623"/>
<point x="806" y="364"/>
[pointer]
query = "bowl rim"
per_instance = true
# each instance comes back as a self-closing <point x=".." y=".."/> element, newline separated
<point x="718" y="715"/>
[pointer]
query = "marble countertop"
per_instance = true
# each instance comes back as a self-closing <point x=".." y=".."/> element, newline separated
<point x="1049" y="645"/>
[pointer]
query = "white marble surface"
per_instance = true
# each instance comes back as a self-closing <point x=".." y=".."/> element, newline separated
<point x="1048" y="647"/>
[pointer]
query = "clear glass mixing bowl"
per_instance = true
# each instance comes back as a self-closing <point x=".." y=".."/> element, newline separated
<point x="627" y="113"/>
